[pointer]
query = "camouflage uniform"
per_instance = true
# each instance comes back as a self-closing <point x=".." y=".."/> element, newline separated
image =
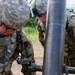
<point x="69" y="55"/>
<point x="14" y="13"/>
<point x="41" y="31"/>
<point x="69" y="47"/>
<point x="41" y="7"/>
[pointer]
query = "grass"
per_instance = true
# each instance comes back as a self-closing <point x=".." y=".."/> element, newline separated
<point x="32" y="33"/>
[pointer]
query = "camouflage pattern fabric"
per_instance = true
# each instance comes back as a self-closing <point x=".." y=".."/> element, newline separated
<point x="14" y="13"/>
<point x="41" y="6"/>
<point x="30" y="52"/>
<point x="41" y="32"/>
<point x="69" y="58"/>
<point x="14" y="52"/>
<point x="69" y="49"/>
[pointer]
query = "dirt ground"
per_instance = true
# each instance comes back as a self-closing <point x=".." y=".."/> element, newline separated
<point x="38" y="52"/>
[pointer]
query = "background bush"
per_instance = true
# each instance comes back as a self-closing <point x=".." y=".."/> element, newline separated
<point x="31" y="31"/>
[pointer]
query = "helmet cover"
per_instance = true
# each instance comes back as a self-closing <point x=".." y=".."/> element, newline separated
<point x="14" y="13"/>
<point x="41" y="6"/>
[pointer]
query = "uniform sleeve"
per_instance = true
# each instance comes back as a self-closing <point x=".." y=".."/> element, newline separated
<point x="30" y="52"/>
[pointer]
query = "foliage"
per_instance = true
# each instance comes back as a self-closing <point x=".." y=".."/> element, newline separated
<point x="31" y="21"/>
<point x="32" y="33"/>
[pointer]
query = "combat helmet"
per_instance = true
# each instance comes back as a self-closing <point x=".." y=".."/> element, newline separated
<point x="14" y="13"/>
<point x="40" y="7"/>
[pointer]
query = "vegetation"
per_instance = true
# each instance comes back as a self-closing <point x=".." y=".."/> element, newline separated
<point x="31" y="31"/>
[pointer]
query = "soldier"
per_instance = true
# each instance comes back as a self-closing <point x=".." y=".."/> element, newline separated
<point x="41" y="31"/>
<point x="13" y="41"/>
<point x="40" y="11"/>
